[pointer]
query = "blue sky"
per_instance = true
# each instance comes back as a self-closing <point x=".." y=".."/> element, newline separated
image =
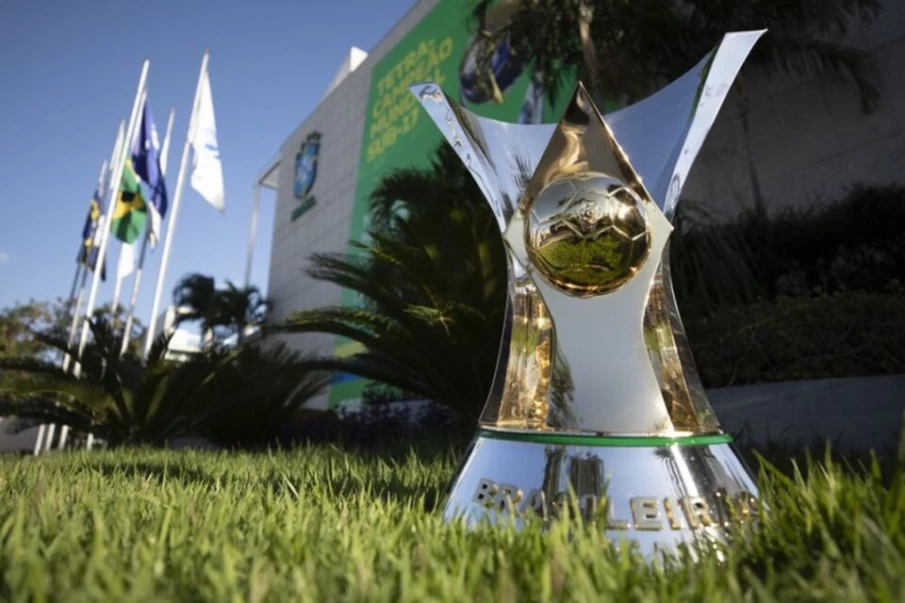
<point x="68" y="73"/>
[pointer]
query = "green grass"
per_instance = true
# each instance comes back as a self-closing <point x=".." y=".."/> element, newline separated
<point x="320" y="523"/>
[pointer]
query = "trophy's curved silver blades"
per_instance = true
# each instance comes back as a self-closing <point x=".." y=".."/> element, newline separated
<point x="501" y="156"/>
<point x="663" y="133"/>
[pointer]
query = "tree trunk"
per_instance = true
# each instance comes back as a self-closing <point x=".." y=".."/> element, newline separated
<point x="760" y="207"/>
<point x="589" y="51"/>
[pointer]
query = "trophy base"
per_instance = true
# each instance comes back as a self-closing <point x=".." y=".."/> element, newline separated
<point x="658" y="492"/>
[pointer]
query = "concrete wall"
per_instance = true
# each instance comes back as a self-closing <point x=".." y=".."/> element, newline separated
<point x="860" y="413"/>
<point x="21" y="442"/>
<point x="809" y="138"/>
<point x="325" y="228"/>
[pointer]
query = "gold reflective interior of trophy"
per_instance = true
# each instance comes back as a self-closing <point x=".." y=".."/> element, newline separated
<point x="587" y="234"/>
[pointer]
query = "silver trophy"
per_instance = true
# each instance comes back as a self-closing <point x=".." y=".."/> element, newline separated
<point x="596" y="406"/>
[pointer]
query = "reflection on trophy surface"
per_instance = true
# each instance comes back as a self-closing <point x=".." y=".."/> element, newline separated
<point x="596" y="395"/>
<point x="587" y="235"/>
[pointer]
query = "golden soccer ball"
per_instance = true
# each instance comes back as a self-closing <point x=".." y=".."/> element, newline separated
<point x="588" y="235"/>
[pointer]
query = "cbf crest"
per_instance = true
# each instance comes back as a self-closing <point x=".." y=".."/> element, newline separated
<point x="306" y="173"/>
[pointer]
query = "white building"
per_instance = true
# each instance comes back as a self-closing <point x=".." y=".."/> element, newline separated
<point x="808" y="138"/>
<point x="183" y="341"/>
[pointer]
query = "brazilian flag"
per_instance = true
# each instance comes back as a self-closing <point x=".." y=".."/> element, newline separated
<point x="131" y="212"/>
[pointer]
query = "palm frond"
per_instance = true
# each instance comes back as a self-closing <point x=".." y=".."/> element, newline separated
<point x="45" y="411"/>
<point x="31" y="365"/>
<point x="56" y="341"/>
<point x="63" y="389"/>
<point x="159" y="348"/>
<point x="260" y="391"/>
<point x="363" y="322"/>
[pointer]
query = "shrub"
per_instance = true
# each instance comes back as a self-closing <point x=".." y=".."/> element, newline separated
<point x="841" y="335"/>
<point x="380" y="425"/>
<point x="854" y="244"/>
<point x="257" y="394"/>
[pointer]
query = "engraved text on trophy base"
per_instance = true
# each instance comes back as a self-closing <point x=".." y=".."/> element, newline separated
<point x="635" y="513"/>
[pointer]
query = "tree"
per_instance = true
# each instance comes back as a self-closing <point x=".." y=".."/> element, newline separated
<point x="238" y="308"/>
<point x="195" y="297"/>
<point x="432" y="283"/>
<point x="17" y="325"/>
<point x="233" y="309"/>
<point x="626" y="49"/>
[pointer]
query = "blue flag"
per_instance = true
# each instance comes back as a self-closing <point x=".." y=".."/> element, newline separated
<point x="88" y="251"/>
<point x="146" y="162"/>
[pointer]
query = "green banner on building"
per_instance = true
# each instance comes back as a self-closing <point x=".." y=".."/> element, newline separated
<point x="446" y="48"/>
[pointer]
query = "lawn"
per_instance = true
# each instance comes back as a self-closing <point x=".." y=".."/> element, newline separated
<point x="321" y="523"/>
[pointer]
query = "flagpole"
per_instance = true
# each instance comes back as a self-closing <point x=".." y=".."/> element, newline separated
<point x="117" y="167"/>
<point x="115" y="182"/>
<point x="99" y="262"/>
<point x="72" y="292"/>
<point x="120" y="277"/>
<point x="48" y="442"/>
<point x="75" y="290"/>
<point x="74" y="322"/>
<point x="177" y="197"/>
<point x="117" y="291"/>
<point x="98" y="266"/>
<point x="127" y="330"/>
<point x="253" y="230"/>
<point x="40" y="439"/>
<point x="75" y="284"/>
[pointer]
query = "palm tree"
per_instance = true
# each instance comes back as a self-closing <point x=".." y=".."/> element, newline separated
<point x="433" y="285"/>
<point x="196" y="298"/>
<point x="626" y="49"/>
<point x="239" y="308"/>
<point x="233" y="308"/>
<point x="122" y="399"/>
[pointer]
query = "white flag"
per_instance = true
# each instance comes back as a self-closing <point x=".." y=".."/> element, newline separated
<point x="126" y="261"/>
<point x="207" y="173"/>
<point x="165" y="149"/>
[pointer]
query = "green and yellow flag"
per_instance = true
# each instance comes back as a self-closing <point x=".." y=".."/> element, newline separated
<point x="131" y="211"/>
